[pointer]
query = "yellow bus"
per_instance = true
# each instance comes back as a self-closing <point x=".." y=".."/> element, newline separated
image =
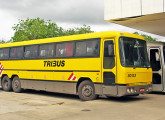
<point x="102" y="63"/>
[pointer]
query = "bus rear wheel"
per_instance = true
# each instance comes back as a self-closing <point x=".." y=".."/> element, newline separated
<point x="16" y="85"/>
<point x="86" y="91"/>
<point x="6" y="84"/>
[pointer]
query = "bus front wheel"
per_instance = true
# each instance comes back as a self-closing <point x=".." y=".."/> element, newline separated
<point x="86" y="91"/>
<point x="16" y="84"/>
<point x="6" y="84"/>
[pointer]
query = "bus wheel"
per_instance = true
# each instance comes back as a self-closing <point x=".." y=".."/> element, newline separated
<point x="86" y="91"/>
<point x="6" y="84"/>
<point x="16" y="85"/>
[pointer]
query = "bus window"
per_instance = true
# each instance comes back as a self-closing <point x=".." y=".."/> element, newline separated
<point x="31" y="51"/>
<point x="133" y="52"/>
<point x="1" y="53"/>
<point x="156" y="79"/>
<point x="155" y="59"/>
<point x="69" y="49"/>
<point x="46" y="50"/>
<point x="64" y="50"/>
<point x="16" y="53"/>
<point x="92" y="47"/>
<point x="109" y="61"/>
<point x="87" y="48"/>
<point x="4" y="53"/>
<point x="81" y="48"/>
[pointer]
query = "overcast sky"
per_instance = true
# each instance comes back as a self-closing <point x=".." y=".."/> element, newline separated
<point x="66" y="13"/>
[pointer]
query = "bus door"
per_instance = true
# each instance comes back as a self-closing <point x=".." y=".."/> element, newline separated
<point x="109" y="67"/>
<point x="156" y="64"/>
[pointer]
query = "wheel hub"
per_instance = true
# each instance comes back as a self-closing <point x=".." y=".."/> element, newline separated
<point x="87" y="91"/>
<point x="16" y="84"/>
<point x="6" y="84"/>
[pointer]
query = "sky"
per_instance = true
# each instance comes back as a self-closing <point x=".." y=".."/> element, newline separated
<point x="66" y="13"/>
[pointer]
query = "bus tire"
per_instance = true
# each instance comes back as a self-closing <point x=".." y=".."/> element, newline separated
<point x="6" y="84"/>
<point x="16" y="85"/>
<point x="86" y="91"/>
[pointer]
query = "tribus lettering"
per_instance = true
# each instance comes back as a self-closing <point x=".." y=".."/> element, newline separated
<point x="58" y="63"/>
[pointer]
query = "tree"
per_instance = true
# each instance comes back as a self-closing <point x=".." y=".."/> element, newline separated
<point x="31" y="29"/>
<point x="2" y="41"/>
<point x="81" y="30"/>
<point x="147" y="37"/>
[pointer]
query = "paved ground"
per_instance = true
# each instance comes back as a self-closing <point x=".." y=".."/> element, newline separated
<point x="35" y="105"/>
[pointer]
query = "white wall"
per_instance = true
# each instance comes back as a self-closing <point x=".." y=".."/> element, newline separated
<point x="152" y="6"/>
<point x="131" y="8"/>
<point x="114" y="9"/>
<point x="164" y="5"/>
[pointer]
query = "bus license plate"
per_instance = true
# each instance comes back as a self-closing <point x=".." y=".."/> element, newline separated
<point x="142" y="89"/>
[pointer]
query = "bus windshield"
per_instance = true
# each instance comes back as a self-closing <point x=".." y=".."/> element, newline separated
<point x="133" y="52"/>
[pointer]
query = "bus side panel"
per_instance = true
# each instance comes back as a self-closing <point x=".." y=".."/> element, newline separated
<point x="51" y="86"/>
<point x="39" y="75"/>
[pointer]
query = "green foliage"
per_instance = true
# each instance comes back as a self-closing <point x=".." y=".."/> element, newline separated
<point x="2" y="41"/>
<point x="147" y="37"/>
<point x="81" y="30"/>
<point x="31" y="29"/>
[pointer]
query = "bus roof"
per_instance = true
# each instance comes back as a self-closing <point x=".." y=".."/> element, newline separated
<point x="105" y="35"/>
<point x="156" y="43"/>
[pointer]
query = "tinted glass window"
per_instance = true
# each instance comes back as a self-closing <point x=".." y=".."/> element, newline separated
<point x="1" y="53"/>
<point x="108" y="48"/>
<point x="81" y="48"/>
<point x="109" y="60"/>
<point x="87" y="47"/>
<point x="4" y="53"/>
<point x="155" y="59"/>
<point x="92" y="47"/>
<point x="16" y="52"/>
<point x="64" y="50"/>
<point x="46" y="50"/>
<point x="133" y="52"/>
<point x="31" y="51"/>
<point x="69" y="49"/>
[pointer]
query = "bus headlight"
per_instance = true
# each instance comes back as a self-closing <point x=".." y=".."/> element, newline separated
<point x="132" y="90"/>
<point x="128" y="90"/>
